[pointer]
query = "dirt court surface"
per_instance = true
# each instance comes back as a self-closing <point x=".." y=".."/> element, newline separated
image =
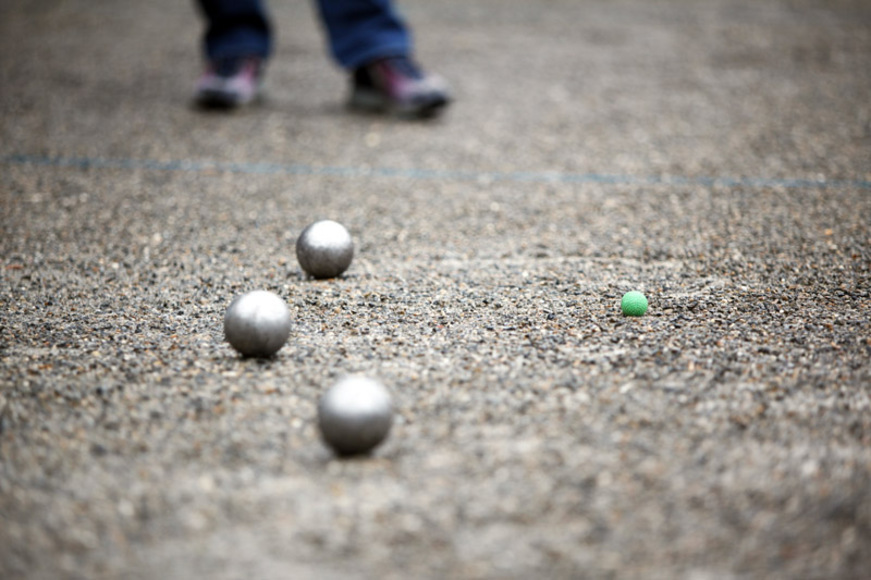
<point x="715" y="155"/>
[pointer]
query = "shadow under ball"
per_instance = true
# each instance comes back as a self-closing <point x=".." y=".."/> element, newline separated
<point x="355" y="415"/>
<point x="257" y="323"/>
<point x="324" y="249"/>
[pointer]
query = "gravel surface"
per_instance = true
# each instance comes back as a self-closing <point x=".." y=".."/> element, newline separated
<point x="715" y="156"/>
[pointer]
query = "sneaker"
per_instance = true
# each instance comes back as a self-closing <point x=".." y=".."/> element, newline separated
<point x="230" y="83"/>
<point x="398" y="86"/>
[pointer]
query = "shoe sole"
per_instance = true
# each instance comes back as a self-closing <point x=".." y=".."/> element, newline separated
<point x="373" y="102"/>
<point x="218" y="97"/>
<point x="220" y="100"/>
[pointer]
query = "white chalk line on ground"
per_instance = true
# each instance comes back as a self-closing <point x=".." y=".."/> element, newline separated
<point x="196" y="166"/>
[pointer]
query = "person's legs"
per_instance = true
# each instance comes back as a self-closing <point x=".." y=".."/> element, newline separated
<point x="235" y="29"/>
<point x="370" y="39"/>
<point x="367" y="37"/>
<point x="237" y="42"/>
<point x="360" y="31"/>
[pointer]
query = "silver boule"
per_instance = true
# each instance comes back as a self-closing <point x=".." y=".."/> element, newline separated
<point x="355" y="415"/>
<point x="257" y="323"/>
<point x="325" y="249"/>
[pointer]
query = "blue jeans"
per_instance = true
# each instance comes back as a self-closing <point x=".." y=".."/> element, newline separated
<point x="358" y="30"/>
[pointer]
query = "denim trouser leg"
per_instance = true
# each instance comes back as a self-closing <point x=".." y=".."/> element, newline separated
<point x="236" y="28"/>
<point x="358" y="30"/>
<point x="362" y="30"/>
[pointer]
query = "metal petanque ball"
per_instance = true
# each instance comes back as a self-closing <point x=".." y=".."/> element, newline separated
<point x="257" y="323"/>
<point x="325" y="249"/>
<point x="355" y="415"/>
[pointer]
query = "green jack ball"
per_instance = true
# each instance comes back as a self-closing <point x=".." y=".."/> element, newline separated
<point x="634" y="304"/>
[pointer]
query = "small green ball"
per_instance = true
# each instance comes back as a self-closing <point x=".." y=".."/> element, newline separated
<point x="634" y="304"/>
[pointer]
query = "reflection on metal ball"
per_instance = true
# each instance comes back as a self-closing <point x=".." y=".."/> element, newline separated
<point x="257" y="323"/>
<point x="355" y="415"/>
<point x="325" y="249"/>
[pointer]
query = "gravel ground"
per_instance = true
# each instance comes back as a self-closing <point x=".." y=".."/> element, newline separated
<point x="715" y="155"/>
